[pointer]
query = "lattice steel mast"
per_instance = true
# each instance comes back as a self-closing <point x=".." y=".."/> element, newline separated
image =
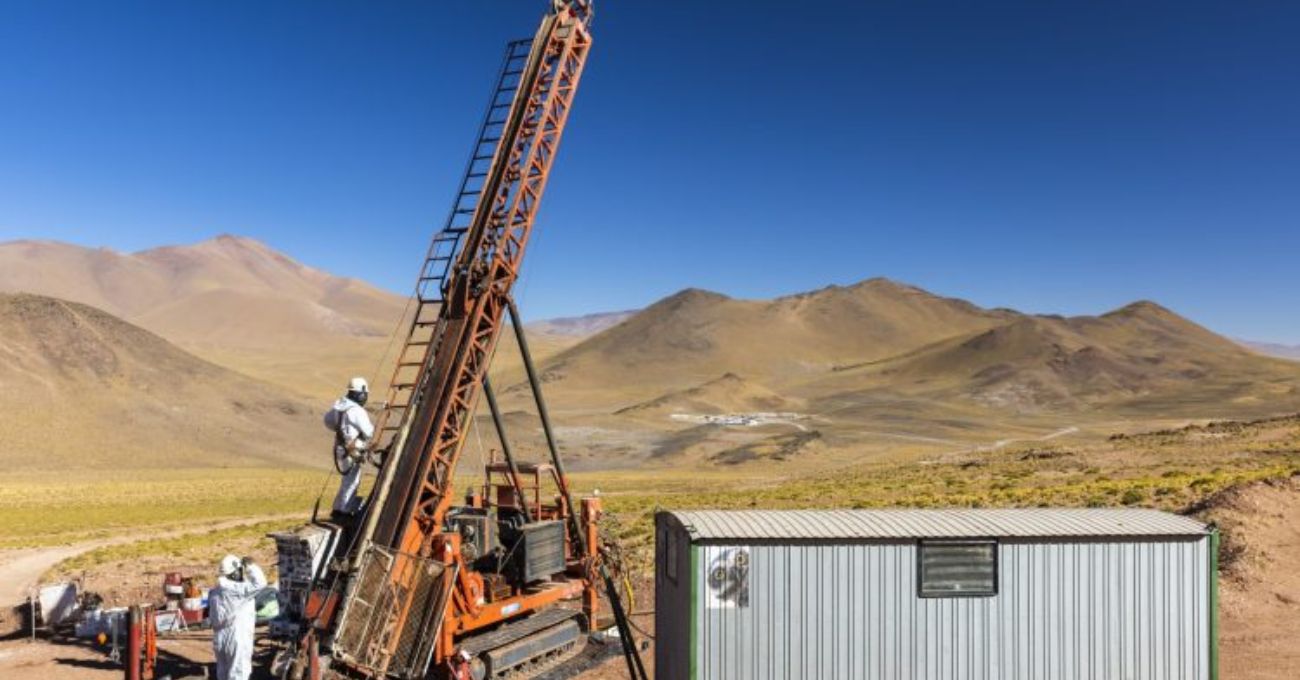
<point x="387" y="620"/>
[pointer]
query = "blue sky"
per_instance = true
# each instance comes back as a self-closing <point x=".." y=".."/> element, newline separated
<point x="1052" y="157"/>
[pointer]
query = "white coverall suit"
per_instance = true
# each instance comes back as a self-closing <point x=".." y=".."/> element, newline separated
<point x="352" y="424"/>
<point x="232" y="607"/>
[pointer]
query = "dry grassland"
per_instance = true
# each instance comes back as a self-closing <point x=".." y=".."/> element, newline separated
<point x="1171" y="469"/>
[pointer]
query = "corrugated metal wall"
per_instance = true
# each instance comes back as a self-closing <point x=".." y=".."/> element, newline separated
<point x="1065" y="610"/>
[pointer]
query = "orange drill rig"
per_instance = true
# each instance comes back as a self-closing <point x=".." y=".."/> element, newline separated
<point x="508" y="583"/>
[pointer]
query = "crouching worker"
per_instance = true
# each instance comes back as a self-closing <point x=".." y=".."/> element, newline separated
<point x="232" y="608"/>
<point x="352" y="434"/>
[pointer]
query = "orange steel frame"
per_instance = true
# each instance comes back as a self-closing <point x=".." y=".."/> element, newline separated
<point x="469" y="324"/>
<point x="517" y="481"/>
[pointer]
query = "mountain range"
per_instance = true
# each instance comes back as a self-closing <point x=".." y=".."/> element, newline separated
<point x="1274" y="349"/>
<point x="885" y="335"/>
<point x="882" y="366"/>
<point x="843" y="373"/>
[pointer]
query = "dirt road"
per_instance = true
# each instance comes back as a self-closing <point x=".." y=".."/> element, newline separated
<point x="186" y="655"/>
<point x="21" y="569"/>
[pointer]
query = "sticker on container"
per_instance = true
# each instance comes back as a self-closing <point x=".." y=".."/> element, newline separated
<point x="727" y="579"/>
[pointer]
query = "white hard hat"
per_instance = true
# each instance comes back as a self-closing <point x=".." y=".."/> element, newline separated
<point x="229" y="565"/>
<point x="358" y="385"/>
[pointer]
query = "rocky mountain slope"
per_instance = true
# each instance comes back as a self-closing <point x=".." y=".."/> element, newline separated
<point x="1140" y="356"/>
<point x="229" y="290"/>
<point x="82" y="389"/>
<point x="695" y="336"/>
<point x="883" y="336"/>
<point x="231" y="300"/>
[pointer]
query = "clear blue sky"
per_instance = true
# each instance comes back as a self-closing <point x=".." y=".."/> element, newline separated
<point x="1048" y="156"/>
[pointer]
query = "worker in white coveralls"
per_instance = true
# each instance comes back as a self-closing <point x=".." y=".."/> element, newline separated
<point x="352" y="434"/>
<point x="232" y="608"/>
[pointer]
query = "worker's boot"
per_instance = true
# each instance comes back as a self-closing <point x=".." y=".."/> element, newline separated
<point x="347" y="523"/>
<point x="343" y="519"/>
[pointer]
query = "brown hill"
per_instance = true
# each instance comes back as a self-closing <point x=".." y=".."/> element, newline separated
<point x="231" y="300"/>
<point x="320" y="303"/>
<point x="694" y="335"/>
<point x="169" y="287"/>
<point x="727" y="394"/>
<point x="882" y="368"/>
<point x="241" y="304"/>
<point x="1140" y="357"/>
<point x="81" y="388"/>
<point x="579" y="327"/>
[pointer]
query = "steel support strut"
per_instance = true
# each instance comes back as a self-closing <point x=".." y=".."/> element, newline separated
<point x="635" y="667"/>
<point x="544" y="414"/>
<point x="500" y="422"/>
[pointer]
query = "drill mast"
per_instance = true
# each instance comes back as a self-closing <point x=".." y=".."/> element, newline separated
<point x="478" y="286"/>
<point x="424" y="588"/>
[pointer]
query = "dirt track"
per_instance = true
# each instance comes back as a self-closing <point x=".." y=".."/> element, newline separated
<point x="184" y="655"/>
<point x="22" y="568"/>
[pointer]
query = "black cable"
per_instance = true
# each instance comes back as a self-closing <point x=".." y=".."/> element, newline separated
<point x="338" y="464"/>
<point x="639" y="629"/>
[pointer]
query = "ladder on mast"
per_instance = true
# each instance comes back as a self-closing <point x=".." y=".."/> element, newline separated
<point x="430" y="286"/>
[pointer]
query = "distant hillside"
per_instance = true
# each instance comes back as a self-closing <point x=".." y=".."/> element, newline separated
<point x="917" y="355"/>
<point x="241" y="304"/>
<point x="696" y="335"/>
<point x="1142" y="355"/>
<point x="231" y="300"/>
<point x="229" y="290"/>
<point x="580" y="326"/>
<point x="1273" y="349"/>
<point x="81" y="388"/>
<point x="728" y="394"/>
<point x="874" y="368"/>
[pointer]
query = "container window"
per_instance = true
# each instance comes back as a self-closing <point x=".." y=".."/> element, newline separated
<point x="670" y="558"/>
<point x="957" y="568"/>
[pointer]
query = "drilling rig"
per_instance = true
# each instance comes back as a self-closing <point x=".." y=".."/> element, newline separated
<point x="508" y="583"/>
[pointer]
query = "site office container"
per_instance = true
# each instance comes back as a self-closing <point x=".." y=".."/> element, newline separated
<point x="1033" y="594"/>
